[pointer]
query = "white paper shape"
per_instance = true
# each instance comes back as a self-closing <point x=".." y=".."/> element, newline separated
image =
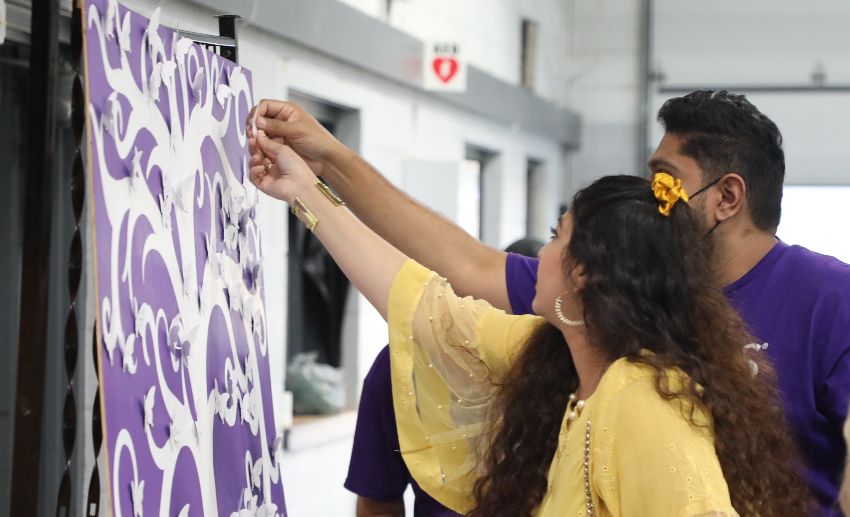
<point x="268" y="509"/>
<point x="181" y="49"/>
<point x="110" y="23"/>
<point x="136" y="175"/>
<point x="168" y="68"/>
<point x="222" y="93"/>
<point x="138" y="493"/>
<point x="111" y="118"/>
<point x="181" y="426"/>
<point x="196" y="84"/>
<point x="124" y="34"/>
<point x="138" y="319"/>
<point x="130" y="363"/>
<point x="257" y="473"/>
<point x="184" y="512"/>
<point x="155" y="44"/>
<point x="180" y="190"/>
<point x="155" y="81"/>
<point x="165" y="206"/>
<point x="231" y="236"/>
<point x="180" y="339"/>
<point x="222" y="401"/>
<point x="149" y="400"/>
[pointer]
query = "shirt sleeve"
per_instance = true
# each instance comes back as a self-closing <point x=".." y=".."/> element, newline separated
<point x="376" y="470"/>
<point x="649" y="460"/>
<point x="831" y="324"/>
<point x="447" y="354"/>
<point x="521" y="279"/>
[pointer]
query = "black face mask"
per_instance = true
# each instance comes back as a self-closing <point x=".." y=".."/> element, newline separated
<point x="700" y="191"/>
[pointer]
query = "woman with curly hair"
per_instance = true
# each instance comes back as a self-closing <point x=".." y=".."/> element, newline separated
<point x="628" y="395"/>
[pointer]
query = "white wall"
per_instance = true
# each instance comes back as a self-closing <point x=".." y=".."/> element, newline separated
<point x="399" y="125"/>
<point x="588" y="59"/>
<point x="774" y="43"/>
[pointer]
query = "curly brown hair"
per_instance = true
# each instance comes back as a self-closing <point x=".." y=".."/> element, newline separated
<point x="649" y="286"/>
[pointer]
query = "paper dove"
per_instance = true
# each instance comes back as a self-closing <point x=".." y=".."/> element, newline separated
<point x="165" y="205"/>
<point x="137" y="489"/>
<point x="129" y="362"/>
<point x="181" y="425"/>
<point x="181" y="49"/>
<point x="168" y="68"/>
<point x="148" y="406"/>
<point x="138" y="319"/>
<point x="109" y="21"/>
<point x="110" y="349"/>
<point x="257" y="473"/>
<point x="196" y="84"/>
<point x="214" y="263"/>
<point x="155" y="81"/>
<point x="222" y="93"/>
<point x="155" y="44"/>
<point x="222" y="401"/>
<point x="180" y="340"/>
<point x="268" y="509"/>
<point x="180" y="190"/>
<point x="112" y="115"/>
<point x="124" y="34"/>
<point x="231" y="236"/>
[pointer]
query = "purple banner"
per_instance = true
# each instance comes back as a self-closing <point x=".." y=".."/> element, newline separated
<point x="186" y="398"/>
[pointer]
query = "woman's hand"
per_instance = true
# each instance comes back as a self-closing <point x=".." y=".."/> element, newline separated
<point x="288" y="123"/>
<point x="277" y="170"/>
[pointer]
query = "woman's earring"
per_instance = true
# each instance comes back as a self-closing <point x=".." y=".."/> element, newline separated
<point x="565" y="320"/>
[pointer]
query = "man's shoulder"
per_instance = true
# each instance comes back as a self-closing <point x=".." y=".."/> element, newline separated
<point x="815" y="272"/>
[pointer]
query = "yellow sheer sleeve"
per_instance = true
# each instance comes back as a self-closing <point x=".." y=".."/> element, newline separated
<point x="648" y="460"/>
<point x="447" y="354"/>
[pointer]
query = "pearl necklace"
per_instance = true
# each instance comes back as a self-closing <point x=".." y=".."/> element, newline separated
<point x="574" y="408"/>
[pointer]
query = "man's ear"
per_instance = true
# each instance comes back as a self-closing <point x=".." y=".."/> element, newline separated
<point x="733" y="196"/>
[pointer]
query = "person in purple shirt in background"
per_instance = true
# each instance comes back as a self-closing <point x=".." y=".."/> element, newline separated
<point x="729" y="155"/>
<point x="377" y="471"/>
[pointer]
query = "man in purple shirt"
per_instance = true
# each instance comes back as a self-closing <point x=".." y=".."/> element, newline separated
<point x="729" y="156"/>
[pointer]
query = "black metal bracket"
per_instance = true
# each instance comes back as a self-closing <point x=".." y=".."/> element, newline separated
<point x="225" y="44"/>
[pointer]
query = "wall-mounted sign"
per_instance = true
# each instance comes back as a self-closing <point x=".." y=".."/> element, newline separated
<point x="444" y="67"/>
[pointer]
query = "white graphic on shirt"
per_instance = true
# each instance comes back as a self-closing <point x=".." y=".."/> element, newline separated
<point x="755" y="347"/>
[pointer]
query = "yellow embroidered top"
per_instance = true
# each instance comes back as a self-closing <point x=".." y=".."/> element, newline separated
<point x="448" y="352"/>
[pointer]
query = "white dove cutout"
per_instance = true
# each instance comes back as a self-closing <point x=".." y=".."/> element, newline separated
<point x="110" y="18"/>
<point x="197" y="83"/>
<point x="150" y="397"/>
<point x="112" y="118"/>
<point x="124" y="34"/>
<point x="137" y="178"/>
<point x="181" y="49"/>
<point x="222" y="94"/>
<point x="130" y="364"/>
<point x="155" y="44"/>
<point x="137" y="489"/>
<point x="155" y="82"/>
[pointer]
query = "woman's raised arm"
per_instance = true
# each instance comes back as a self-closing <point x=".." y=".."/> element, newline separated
<point x="367" y="260"/>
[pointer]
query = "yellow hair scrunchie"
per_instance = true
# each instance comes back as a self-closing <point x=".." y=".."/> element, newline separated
<point x="668" y="190"/>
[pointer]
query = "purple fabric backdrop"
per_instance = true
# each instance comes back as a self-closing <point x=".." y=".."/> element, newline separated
<point x="185" y="390"/>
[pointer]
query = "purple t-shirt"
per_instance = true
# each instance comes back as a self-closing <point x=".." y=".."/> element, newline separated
<point x="377" y="470"/>
<point x="797" y="303"/>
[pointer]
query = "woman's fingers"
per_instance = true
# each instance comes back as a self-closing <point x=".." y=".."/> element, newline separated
<point x="269" y="147"/>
